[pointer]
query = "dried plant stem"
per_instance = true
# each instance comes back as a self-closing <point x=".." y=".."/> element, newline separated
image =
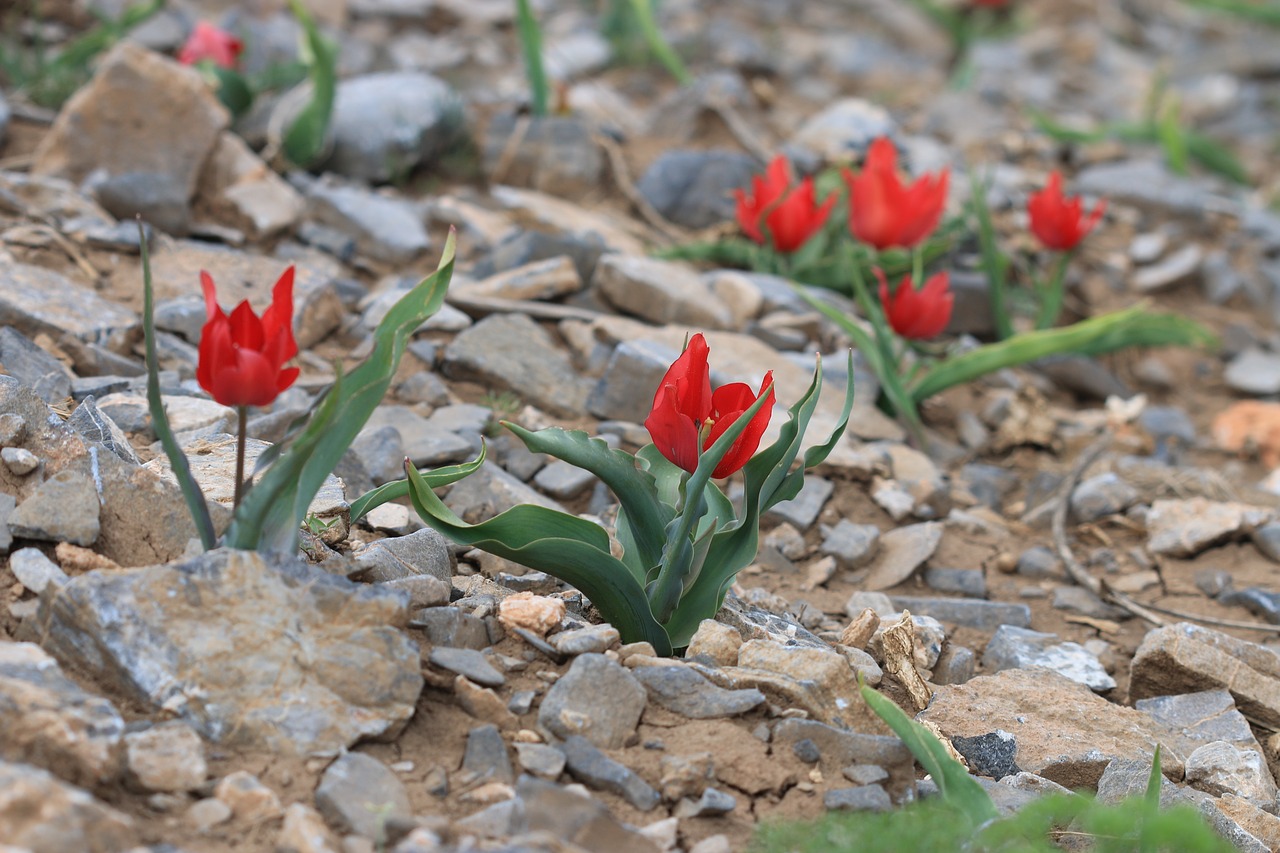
<point x="242" y="435"/>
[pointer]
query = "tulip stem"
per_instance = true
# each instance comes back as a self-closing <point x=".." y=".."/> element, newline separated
<point x="242" y="414"/>
<point x="1052" y="294"/>
<point x="917" y="267"/>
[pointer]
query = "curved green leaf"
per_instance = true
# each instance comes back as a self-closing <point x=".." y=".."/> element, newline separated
<point x="559" y="544"/>
<point x="304" y="141"/>
<point x="645" y="515"/>
<point x="388" y="492"/>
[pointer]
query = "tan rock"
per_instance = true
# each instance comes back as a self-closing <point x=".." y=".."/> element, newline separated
<point x="167" y="757"/>
<point x="141" y="112"/>
<point x="304" y="831"/>
<point x="40" y="814"/>
<point x="247" y="797"/>
<point x="483" y="704"/>
<point x="536" y="613"/>
<point x="1064" y="731"/>
<point x="716" y="640"/>
<point x="1186" y="658"/>
<point x="237" y="188"/>
<point x="1260" y="824"/>
<point x="544" y="279"/>
<point x="1184" y="528"/>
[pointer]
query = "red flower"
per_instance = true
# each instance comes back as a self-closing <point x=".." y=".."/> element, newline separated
<point x="883" y="212"/>
<point x="1059" y="222"/>
<point x="921" y="313"/>
<point x="242" y="356"/>
<point x="208" y="42"/>
<point x="687" y="417"/>
<point x="791" y="217"/>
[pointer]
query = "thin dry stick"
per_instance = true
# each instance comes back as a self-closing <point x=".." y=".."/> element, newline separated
<point x="1216" y="620"/>
<point x="509" y="151"/>
<point x="1073" y="566"/>
<point x="622" y="177"/>
<point x="741" y="131"/>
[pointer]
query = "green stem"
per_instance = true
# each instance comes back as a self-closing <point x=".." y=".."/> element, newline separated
<point x="993" y="262"/>
<point x="531" y="46"/>
<point x="242" y="435"/>
<point x="917" y="267"/>
<point x="657" y="42"/>
<point x="1052" y="294"/>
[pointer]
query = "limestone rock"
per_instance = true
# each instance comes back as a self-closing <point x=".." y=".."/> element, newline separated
<point x="276" y="656"/>
<point x="40" y="814"/>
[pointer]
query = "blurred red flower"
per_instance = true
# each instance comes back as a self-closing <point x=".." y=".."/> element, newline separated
<point x="918" y="314"/>
<point x="208" y="42"/>
<point x="791" y="216"/>
<point x="1059" y="222"/>
<point x="882" y="211"/>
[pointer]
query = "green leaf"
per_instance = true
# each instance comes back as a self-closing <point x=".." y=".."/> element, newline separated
<point x="637" y="492"/>
<point x="955" y="783"/>
<point x="304" y="141"/>
<point x="1215" y="157"/>
<point x="1169" y="132"/>
<point x="269" y="517"/>
<point x="397" y="489"/>
<point x="531" y="47"/>
<point x="658" y="44"/>
<point x="559" y="544"/>
<point x="1133" y="326"/>
<point x="234" y="90"/>
<point x="191" y="492"/>
<point x="994" y="263"/>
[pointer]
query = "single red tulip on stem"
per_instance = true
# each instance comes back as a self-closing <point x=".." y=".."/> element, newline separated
<point x="242" y="357"/>
<point x="1057" y="221"/>
<point x="918" y="314"/>
<point x="884" y="212"/>
<point x="791" y="216"/>
<point x="687" y="417"/>
<point x="208" y="42"/>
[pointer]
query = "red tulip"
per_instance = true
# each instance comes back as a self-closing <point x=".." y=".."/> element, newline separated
<point x="882" y="211"/>
<point x="918" y="314"/>
<point x="242" y="356"/>
<point x="1059" y="222"/>
<point x="209" y="42"/>
<point x="791" y="216"/>
<point x="687" y="417"/>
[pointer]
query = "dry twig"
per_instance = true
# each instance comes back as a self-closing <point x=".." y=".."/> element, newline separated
<point x="622" y="177"/>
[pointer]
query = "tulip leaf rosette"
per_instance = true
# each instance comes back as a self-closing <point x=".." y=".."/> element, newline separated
<point x="679" y="542"/>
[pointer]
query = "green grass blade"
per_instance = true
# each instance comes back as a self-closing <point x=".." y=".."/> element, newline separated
<point x="953" y="780"/>
<point x="658" y="43"/>
<point x="304" y="141"/>
<point x="191" y="492"/>
<point x="994" y="263"/>
<point x="531" y="47"/>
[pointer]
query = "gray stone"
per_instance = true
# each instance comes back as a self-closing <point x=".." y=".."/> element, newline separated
<point x="596" y="770"/>
<point x="990" y="484"/>
<point x="166" y="757"/>
<point x="564" y="814"/>
<point x="1014" y="648"/>
<point x="1267" y="540"/>
<point x="970" y="583"/>
<point x="970" y="612"/>
<point x="863" y="798"/>
<point x="553" y="154"/>
<point x="46" y="719"/>
<point x="159" y="198"/>
<point x="633" y="365"/>
<point x="522" y="247"/>
<point x="7" y="505"/>
<point x="838" y="748"/>
<point x="468" y="662"/>
<point x="386" y="124"/>
<point x="450" y="626"/>
<point x="1100" y="496"/>
<point x="34" y="367"/>
<point x="41" y="814"/>
<point x="1220" y="768"/>
<point x="361" y="795"/>
<point x="231" y="643"/>
<point x="593" y="639"/>
<point x="564" y="481"/>
<point x="1039" y="562"/>
<point x="853" y="545"/>
<point x="1077" y="599"/>
<point x="385" y="229"/>
<point x="541" y="760"/>
<point x="597" y="699"/>
<point x="1184" y="528"/>
<point x="695" y="188"/>
<point x="95" y="426"/>
<point x="955" y="665"/>
<point x="1180" y="266"/>
<point x="485" y="758"/>
<point x="1255" y="372"/>
<point x="802" y="510"/>
<point x="902" y="551"/>
<point x="427" y="444"/>
<point x="1206" y="716"/>
<point x="35" y="571"/>
<point x="423" y="552"/>
<point x="844" y="130"/>
<point x="546" y="279"/>
<point x="13" y="429"/>
<point x="511" y="352"/>
<point x="1149" y="183"/>
<point x="993" y="754"/>
<point x="712" y="803"/>
<point x="63" y="508"/>
<point x="662" y="292"/>
<point x="489" y="491"/>
<point x="685" y="692"/>
<point x="865" y="774"/>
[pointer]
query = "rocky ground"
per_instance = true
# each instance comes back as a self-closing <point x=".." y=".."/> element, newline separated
<point x="1085" y="579"/>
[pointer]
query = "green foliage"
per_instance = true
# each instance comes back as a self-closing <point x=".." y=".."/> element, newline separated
<point x="681" y="542"/>
<point x="304" y="141"/>
<point x="47" y="77"/>
<point x="964" y="817"/>
<point x="269" y="517"/>
<point x="1263" y="11"/>
<point x="631" y="26"/>
<point x="531" y="47"/>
